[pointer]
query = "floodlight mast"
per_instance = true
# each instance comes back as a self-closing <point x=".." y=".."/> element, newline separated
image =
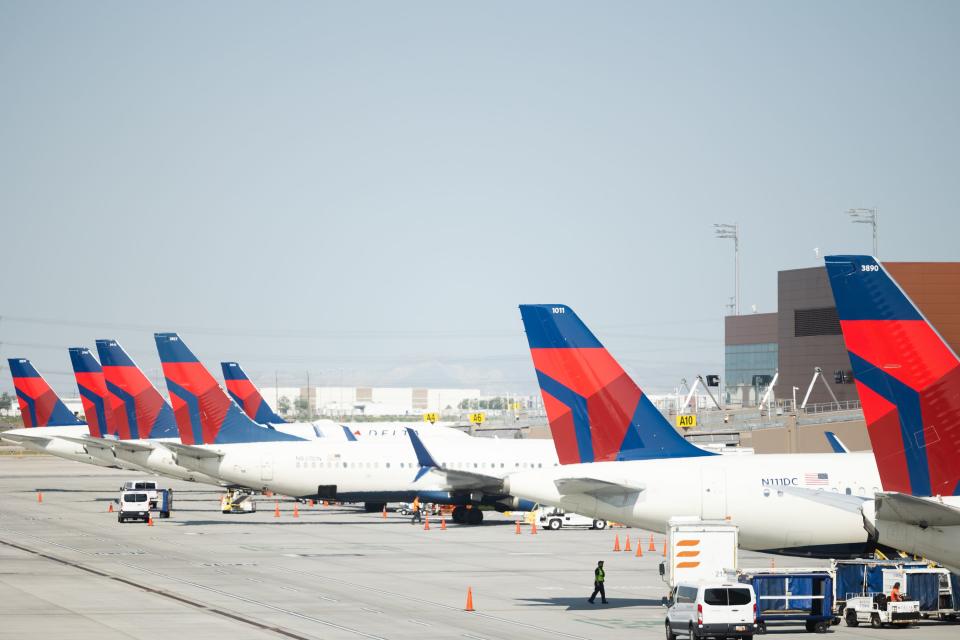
<point x="862" y="215"/>
<point x="732" y="232"/>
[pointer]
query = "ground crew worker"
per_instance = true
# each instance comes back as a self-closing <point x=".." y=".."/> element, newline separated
<point x="895" y="593"/>
<point x="598" y="577"/>
<point x="416" y="511"/>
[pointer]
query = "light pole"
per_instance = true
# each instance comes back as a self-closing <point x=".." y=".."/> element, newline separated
<point x="732" y="231"/>
<point x="866" y="216"/>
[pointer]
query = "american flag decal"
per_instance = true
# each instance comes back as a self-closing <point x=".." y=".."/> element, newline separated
<point x="821" y="479"/>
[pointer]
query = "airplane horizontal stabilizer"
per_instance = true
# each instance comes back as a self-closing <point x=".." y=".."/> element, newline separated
<point x="191" y="451"/>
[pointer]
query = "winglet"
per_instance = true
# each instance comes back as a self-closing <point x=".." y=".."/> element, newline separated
<point x="426" y="461"/>
<point x="907" y="376"/>
<point x="40" y="406"/>
<point x="835" y="443"/>
<point x="246" y="394"/>
<point x="596" y="412"/>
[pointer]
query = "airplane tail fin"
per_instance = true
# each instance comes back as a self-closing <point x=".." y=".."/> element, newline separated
<point x="140" y="410"/>
<point x="246" y="394"/>
<point x="204" y="413"/>
<point x="596" y="412"/>
<point x="39" y="404"/>
<point x="93" y="392"/>
<point x="907" y="376"/>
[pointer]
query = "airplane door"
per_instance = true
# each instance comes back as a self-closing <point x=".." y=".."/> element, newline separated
<point x="713" y="493"/>
<point x="266" y="468"/>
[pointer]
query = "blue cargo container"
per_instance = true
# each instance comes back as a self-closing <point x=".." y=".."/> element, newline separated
<point x="805" y="597"/>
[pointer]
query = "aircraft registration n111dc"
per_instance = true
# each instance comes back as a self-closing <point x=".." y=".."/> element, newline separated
<point x="621" y="460"/>
<point x="219" y="439"/>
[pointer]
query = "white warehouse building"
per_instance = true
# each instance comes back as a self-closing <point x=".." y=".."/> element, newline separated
<point x="370" y="401"/>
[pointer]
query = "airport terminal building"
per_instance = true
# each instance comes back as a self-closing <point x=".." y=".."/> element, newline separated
<point x="804" y="334"/>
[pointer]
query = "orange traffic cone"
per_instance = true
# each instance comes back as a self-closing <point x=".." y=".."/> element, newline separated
<point x="626" y="547"/>
<point x="518" y="528"/>
<point x="469" y="606"/>
<point x="276" y="509"/>
<point x="664" y="547"/>
<point x="426" y="523"/>
<point x="639" y="553"/>
<point x="110" y="508"/>
<point x="384" y="514"/>
<point x="533" y="527"/>
<point x="312" y="503"/>
<point x="149" y="520"/>
<point x="616" y="543"/>
<point x="39" y="496"/>
<point x="296" y="510"/>
<point x="652" y="546"/>
<point x="443" y="523"/>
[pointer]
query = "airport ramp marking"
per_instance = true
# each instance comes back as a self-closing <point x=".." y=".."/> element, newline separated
<point x="196" y="604"/>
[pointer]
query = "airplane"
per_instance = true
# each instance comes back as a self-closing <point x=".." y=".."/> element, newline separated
<point x="138" y="418"/>
<point x="622" y="461"/>
<point x="46" y="419"/>
<point x="217" y="438"/>
<point x="248" y="397"/>
<point x="908" y="379"/>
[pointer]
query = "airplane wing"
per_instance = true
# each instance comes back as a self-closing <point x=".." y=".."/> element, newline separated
<point x="25" y="439"/>
<point x="924" y="512"/>
<point x="456" y="478"/>
<point x="192" y="451"/>
<point x="87" y="441"/>
<point x="853" y="504"/>
<point x="596" y="487"/>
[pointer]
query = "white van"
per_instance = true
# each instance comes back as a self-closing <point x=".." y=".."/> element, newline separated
<point x="134" y="505"/>
<point x="554" y="518"/>
<point x="715" y="608"/>
<point x="150" y="486"/>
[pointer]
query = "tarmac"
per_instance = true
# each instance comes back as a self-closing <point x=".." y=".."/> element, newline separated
<point x="68" y="567"/>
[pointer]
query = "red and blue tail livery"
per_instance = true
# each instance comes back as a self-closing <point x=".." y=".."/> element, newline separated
<point x="907" y="376"/>
<point x="93" y="392"/>
<point x="39" y="404"/>
<point x="139" y="409"/>
<point x="204" y="413"/>
<point x="246" y="394"/>
<point x="596" y="411"/>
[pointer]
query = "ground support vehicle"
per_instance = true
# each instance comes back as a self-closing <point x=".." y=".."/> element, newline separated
<point x="712" y="608"/>
<point x="935" y="588"/>
<point x="555" y="518"/>
<point x="151" y="488"/>
<point x="134" y="505"/>
<point x="878" y="611"/>
<point x="238" y="501"/>
<point x="699" y="550"/>
<point x="798" y="596"/>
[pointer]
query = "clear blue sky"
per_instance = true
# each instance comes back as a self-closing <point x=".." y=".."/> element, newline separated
<point x="368" y="190"/>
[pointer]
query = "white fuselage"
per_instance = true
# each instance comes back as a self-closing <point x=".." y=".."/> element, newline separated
<point x="366" y="466"/>
<point x="746" y="490"/>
